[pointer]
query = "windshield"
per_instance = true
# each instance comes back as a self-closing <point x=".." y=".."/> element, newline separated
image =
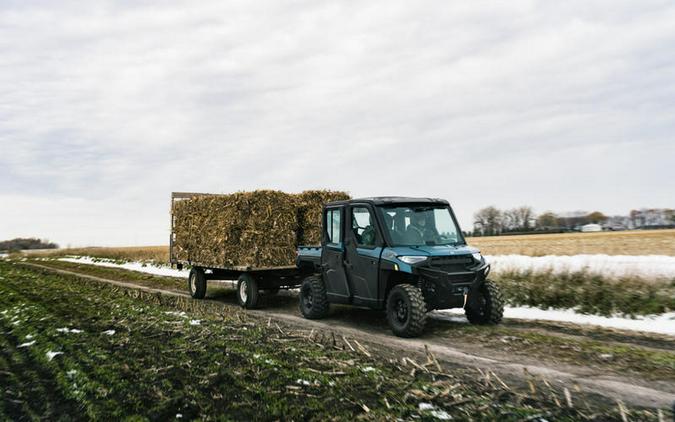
<point x="413" y="225"/>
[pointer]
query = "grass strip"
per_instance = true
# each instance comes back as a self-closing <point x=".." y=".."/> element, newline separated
<point x="587" y="292"/>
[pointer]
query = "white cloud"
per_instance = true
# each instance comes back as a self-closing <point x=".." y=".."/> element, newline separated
<point x="107" y="108"/>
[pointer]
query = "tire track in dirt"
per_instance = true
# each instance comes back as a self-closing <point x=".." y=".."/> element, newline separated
<point x="610" y="386"/>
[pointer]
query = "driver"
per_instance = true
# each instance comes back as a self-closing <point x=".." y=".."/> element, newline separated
<point x="418" y="232"/>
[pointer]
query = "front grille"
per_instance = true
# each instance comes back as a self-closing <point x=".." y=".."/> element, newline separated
<point x="451" y="264"/>
<point x="462" y="278"/>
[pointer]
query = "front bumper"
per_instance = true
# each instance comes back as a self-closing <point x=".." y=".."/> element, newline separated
<point x="446" y="290"/>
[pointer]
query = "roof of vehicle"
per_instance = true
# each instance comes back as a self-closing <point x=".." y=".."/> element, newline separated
<point x="392" y="200"/>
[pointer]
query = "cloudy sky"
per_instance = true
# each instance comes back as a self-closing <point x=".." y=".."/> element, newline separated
<point x="107" y="107"/>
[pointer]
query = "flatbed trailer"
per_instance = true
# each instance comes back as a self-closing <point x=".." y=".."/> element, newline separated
<point x="251" y="281"/>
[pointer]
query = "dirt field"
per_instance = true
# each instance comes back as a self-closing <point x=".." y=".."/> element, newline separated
<point x="509" y="372"/>
<point x="639" y="242"/>
<point x="94" y="350"/>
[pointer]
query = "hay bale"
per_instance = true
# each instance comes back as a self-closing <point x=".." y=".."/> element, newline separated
<point x="255" y="229"/>
<point x="310" y="205"/>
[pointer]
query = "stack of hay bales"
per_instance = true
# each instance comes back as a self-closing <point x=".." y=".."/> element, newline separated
<point x="253" y="229"/>
<point x="310" y="205"/>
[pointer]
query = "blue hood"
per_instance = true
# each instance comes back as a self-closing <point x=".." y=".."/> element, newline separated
<point x="440" y="250"/>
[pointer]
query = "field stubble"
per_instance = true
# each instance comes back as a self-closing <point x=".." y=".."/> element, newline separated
<point x="146" y="355"/>
<point x="637" y="242"/>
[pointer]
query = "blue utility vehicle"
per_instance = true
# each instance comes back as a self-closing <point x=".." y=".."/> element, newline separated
<point x="406" y="256"/>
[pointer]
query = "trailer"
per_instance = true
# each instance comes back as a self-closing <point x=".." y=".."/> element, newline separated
<point x="252" y="282"/>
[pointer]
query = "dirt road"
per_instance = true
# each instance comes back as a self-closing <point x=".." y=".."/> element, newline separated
<point x="369" y="328"/>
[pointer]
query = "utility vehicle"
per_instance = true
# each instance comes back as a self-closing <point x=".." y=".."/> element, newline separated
<point x="403" y="255"/>
<point x="406" y="256"/>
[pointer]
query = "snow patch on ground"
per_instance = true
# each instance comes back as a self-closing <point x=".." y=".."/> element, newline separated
<point x="661" y="324"/>
<point x="133" y="266"/>
<point x="68" y="330"/>
<point x="181" y="314"/>
<point x="648" y="266"/>
<point x="51" y="355"/>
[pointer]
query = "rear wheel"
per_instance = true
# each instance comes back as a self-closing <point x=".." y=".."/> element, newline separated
<point x="247" y="291"/>
<point x="490" y="306"/>
<point x="197" y="283"/>
<point x="313" y="298"/>
<point x="406" y="310"/>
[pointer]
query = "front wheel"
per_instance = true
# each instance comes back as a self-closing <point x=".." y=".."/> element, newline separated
<point x="313" y="298"/>
<point x="489" y="307"/>
<point x="406" y="310"/>
<point x="247" y="291"/>
<point x="197" y="283"/>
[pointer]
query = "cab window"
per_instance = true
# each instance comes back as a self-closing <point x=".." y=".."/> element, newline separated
<point x="363" y="227"/>
<point x="333" y="226"/>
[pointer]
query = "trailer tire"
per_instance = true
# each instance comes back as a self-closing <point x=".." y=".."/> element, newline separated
<point x="313" y="298"/>
<point x="406" y="310"/>
<point x="491" y="309"/>
<point x="247" y="291"/>
<point x="197" y="283"/>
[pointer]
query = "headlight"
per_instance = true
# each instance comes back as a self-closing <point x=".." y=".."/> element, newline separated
<point x="477" y="256"/>
<point x="412" y="259"/>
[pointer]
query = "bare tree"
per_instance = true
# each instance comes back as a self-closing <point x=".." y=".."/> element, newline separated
<point x="670" y="216"/>
<point x="548" y="220"/>
<point x="488" y="221"/>
<point x="597" y="217"/>
<point x="526" y="217"/>
<point x="511" y="220"/>
<point x="518" y="219"/>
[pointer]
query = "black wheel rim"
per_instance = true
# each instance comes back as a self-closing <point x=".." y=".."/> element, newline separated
<point x="482" y="305"/>
<point x="307" y="298"/>
<point x="401" y="311"/>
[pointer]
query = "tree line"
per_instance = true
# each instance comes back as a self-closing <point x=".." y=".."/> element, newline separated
<point x="19" y="244"/>
<point x="490" y="221"/>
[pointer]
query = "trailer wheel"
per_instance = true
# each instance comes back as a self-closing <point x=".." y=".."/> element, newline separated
<point x="406" y="310"/>
<point x="247" y="291"/>
<point x="490" y="308"/>
<point x="197" y="283"/>
<point x="313" y="299"/>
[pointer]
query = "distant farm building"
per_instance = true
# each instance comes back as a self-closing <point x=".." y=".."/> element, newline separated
<point x="591" y="228"/>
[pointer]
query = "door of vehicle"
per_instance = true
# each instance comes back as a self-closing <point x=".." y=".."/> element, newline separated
<point x="333" y="254"/>
<point x="363" y="247"/>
